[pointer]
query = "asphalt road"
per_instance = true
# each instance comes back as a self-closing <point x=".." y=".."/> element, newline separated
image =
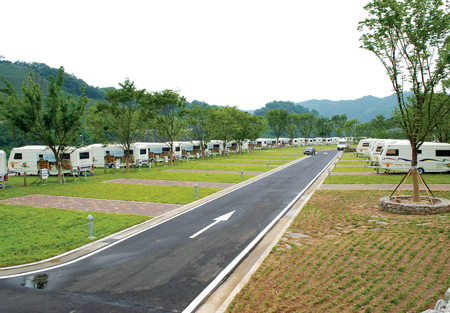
<point x="162" y="269"/>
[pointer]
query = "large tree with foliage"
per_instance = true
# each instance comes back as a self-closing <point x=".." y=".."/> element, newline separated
<point x="54" y="120"/>
<point x="226" y="125"/>
<point x="338" y="122"/>
<point x="169" y="124"/>
<point x="407" y="37"/>
<point x="323" y="127"/>
<point x="202" y="123"/>
<point x="306" y="125"/>
<point x="277" y="120"/>
<point x="291" y="127"/>
<point x="258" y="127"/>
<point x="125" y="115"/>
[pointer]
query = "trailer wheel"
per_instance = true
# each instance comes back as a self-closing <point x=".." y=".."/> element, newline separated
<point x="420" y="170"/>
<point x="107" y="165"/>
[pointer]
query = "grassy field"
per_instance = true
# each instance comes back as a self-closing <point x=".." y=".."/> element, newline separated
<point x="356" y="259"/>
<point x="30" y="234"/>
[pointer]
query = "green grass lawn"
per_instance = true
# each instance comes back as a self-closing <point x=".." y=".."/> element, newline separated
<point x="30" y="234"/>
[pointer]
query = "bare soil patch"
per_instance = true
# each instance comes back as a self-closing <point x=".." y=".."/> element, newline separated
<point x="342" y="254"/>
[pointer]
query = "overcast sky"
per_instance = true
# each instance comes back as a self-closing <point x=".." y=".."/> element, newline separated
<point x="238" y="53"/>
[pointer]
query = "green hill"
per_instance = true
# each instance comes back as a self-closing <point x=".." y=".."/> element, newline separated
<point x="364" y="109"/>
<point x="16" y="73"/>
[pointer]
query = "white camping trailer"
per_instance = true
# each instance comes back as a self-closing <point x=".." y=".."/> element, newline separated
<point x="186" y="149"/>
<point x="80" y="158"/>
<point x="215" y="147"/>
<point x="433" y="157"/>
<point x="138" y="154"/>
<point x="108" y="155"/>
<point x="3" y="167"/>
<point x="343" y="144"/>
<point x="158" y="151"/>
<point x="31" y="159"/>
<point x="364" y="146"/>
<point x="261" y="143"/>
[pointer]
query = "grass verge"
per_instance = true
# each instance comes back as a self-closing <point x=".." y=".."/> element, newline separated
<point x="32" y="234"/>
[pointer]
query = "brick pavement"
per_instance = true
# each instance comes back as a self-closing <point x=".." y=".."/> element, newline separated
<point x="215" y="172"/>
<point x="169" y="183"/>
<point x="95" y="205"/>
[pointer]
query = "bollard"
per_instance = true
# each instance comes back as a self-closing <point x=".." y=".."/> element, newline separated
<point x="150" y="165"/>
<point x="329" y="173"/>
<point x="187" y="160"/>
<point x="90" y="225"/>
<point x="242" y="174"/>
<point x="335" y="165"/>
<point x="283" y="159"/>
<point x="267" y="165"/>
<point x="294" y="156"/>
<point x="196" y="190"/>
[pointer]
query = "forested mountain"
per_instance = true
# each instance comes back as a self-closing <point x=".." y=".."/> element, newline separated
<point x="16" y="73"/>
<point x="364" y="109"/>
<point x="289" y="106"/>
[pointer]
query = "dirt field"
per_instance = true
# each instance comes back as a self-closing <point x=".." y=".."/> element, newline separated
<point x="342" y="254"/>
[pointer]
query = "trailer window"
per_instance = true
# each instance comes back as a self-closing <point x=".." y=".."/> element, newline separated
<point x="443" y="153"/>
<point x="196" y="147"/>
<point x="166" y="149"/>
<point x="392" y="152"/>
<point x="143" y="151"/>
<point x="379" y="149"/>
<point x="18" y="156"/>
<point x="84" y="155"/>
<point x="65" y="156"/>
<point x="177" y="149"/>
<point x="365" y="144"/>
<point x="128" y="152"/>
<point x="216" y="146"/>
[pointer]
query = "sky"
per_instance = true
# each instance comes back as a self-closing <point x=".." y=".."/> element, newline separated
<point x="240" y="53"/>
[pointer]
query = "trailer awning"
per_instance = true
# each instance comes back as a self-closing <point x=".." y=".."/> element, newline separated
<point x="156" y="149"/>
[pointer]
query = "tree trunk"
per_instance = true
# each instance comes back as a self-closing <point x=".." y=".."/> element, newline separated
<point x="416" y="192"/>
<point x="60" y="172"/>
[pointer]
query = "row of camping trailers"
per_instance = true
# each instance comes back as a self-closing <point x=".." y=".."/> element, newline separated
<point x="391" y="154"/>
<point x="265" y="143"/>
<point x="33" y="158"/>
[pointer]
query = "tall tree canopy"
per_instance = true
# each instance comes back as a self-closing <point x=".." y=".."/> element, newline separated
<point x="55" y="120"/>
<point x="407" y="36"/>
<point x="126" y="115"/>
<point x="277" y="120"/>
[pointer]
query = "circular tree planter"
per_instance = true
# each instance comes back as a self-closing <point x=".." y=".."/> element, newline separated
<point x="404" y="205"/>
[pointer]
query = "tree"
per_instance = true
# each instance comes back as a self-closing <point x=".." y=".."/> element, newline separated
<point x="226" y="125"/>
<point x="291" y="127"/>
<point x="339" y="124"/>
<point x="323" y="127"/>
<point x="54" y="121"/>
<point x="169" y="124"/>
<point x="125" y="115"/>
<point x="258" y="127"/>
<point x="306" y="125"/>
<point x="407" y="37"/>
<point x="277" y="120"/>
<point x="202" y="123"/>
<point x="350" y="127"/>
<point x="244" y="127"/>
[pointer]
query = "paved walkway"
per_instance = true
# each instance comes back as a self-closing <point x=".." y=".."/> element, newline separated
<point x="433" y="187"/>
<point x="96" y="205"/>
<point x="215" y="172"/>
<point x="169" y="183"/>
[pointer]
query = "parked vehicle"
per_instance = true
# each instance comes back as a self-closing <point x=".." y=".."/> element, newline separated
<point x="433" y="157"/>
<point x="31" y="159"/>
<point x="343" y="144"/>
<point x="309" y="151"/>
<point x="364" y="146"/>
<point x="3" y="168"/>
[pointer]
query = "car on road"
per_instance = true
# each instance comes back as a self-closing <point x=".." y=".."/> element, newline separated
<point x="309" y="151"/>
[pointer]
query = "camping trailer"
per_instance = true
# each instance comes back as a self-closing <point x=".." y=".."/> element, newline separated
<point x="343" y="144"/>
<point x="364" y="146"/>
<point x="3" y="168"/>
<point x="32" y="158"/>
<point x="433" y="157"/>
<point x="106" y="155"/>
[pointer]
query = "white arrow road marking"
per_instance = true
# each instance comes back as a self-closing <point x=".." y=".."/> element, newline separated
<point x="222" y="218"/>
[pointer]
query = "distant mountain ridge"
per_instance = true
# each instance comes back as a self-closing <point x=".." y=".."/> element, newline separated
<point x="364" y="109"/>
